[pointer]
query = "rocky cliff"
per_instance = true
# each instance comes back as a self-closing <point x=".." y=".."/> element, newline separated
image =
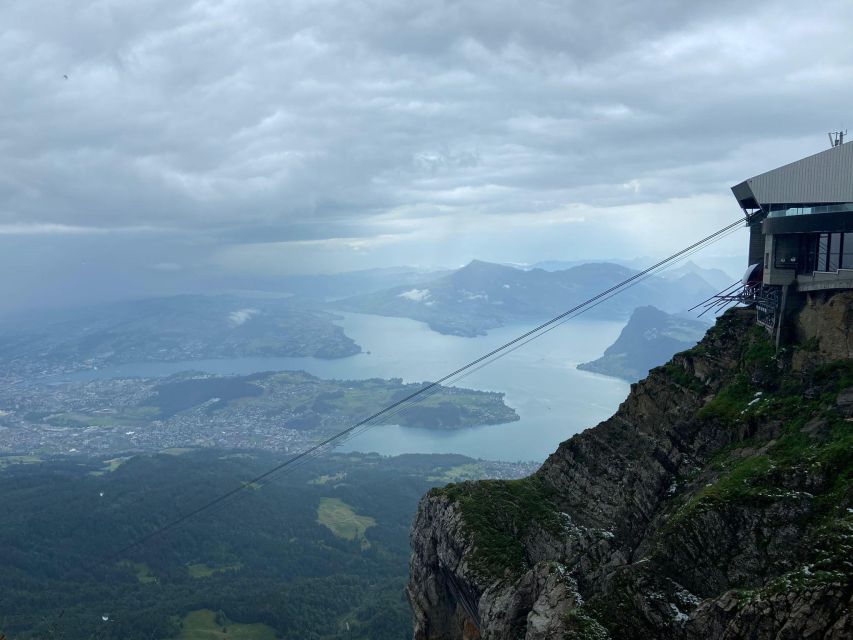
<point x="716" y="503"/>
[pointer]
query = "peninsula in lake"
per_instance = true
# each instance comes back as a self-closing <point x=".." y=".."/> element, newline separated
<point x="282" y="411"/>
<point x="650" y="338"/>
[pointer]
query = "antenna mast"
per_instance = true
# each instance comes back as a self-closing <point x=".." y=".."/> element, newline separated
<point x="836" y="138"/>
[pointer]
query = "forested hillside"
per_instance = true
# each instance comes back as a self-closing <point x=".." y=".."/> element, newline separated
<point x="313" y="553"/>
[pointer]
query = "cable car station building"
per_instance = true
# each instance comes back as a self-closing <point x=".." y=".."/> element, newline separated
<point x="801" y="229"/>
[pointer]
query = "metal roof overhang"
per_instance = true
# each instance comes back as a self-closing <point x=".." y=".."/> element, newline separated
<point x="825" y="177"/>
<point x="745" y="197"/>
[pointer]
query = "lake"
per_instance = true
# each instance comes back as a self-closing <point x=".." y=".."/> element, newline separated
<point x="540" y="381"/>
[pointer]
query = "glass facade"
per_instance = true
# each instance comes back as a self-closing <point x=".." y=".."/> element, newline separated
<point x="784" y="210"/>
<point x="833" y="260"/>
<point x="810" y="252"/>
<point x="847" y="251"/>
<point x="823" y="243"/>
<point x="787" y="253"/>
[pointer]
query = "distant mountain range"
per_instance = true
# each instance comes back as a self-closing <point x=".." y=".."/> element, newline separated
<point x="467" y="302"/>
<point x="343" y="285"/>
<point x="715" y="277"/>
<point x="483" y="295"/>
<point x="650" y="339"/>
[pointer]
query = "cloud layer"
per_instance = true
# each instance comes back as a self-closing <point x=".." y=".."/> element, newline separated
<point x="339" y="134"/>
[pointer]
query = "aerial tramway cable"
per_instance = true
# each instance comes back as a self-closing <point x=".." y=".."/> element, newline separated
<point x="435" y="386"/>
<point x="502" y="354"/>
<point x="725" y="292"/>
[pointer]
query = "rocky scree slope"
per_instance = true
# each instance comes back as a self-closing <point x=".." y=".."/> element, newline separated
<point x="716" y="503"/>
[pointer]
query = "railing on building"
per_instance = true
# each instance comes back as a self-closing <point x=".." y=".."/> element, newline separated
<point x="767" y="300"/>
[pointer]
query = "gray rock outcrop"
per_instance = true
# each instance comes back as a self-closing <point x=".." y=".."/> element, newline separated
<point x="716" y="503"/>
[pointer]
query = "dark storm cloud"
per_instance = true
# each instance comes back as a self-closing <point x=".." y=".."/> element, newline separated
<point x="243" y="121"/>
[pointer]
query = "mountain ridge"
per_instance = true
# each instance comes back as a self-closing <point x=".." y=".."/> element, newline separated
<point x="482" y="296"/>
<point x="716" y="503"/>
<point x="650" y="338"/>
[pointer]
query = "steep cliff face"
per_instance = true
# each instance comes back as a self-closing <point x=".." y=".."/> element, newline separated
<point x="716" y="503"/>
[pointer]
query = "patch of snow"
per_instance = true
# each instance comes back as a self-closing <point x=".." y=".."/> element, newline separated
<point x="241" y="316"/>
<point x="686" y="598"/>
<point x="677" y="615"/>
<point x="672" y="489"/>
<point x="569" y="527"/>
<point x="415" y="295"/>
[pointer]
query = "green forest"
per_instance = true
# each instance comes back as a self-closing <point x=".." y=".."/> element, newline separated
<point x="320" y="551"/>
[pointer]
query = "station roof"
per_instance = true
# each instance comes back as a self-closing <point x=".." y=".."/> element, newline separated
<point x="825" y="177"/>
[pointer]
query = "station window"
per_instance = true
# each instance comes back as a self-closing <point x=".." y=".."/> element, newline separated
<point x="823" y="252"/>
<point x="786" y="251"/>
<point x="812" y="252"/>
<point x="831" y="251"/>
<point x="834" y="252"/>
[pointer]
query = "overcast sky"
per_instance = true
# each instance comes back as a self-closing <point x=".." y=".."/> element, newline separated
<point x="199" y="142"/>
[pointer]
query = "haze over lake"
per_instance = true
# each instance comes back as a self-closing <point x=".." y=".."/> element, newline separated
<point x="540" y="381"/>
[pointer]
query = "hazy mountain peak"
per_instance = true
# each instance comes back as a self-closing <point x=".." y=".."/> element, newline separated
<point x="715" y="278"/>
<point x="489" y="267"/>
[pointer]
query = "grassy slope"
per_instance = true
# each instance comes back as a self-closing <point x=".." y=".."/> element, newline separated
<point x="339" y="517"/>
<point x="202" y="625"/>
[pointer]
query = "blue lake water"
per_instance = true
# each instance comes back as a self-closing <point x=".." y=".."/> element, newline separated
<point x="540" y="381"/>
